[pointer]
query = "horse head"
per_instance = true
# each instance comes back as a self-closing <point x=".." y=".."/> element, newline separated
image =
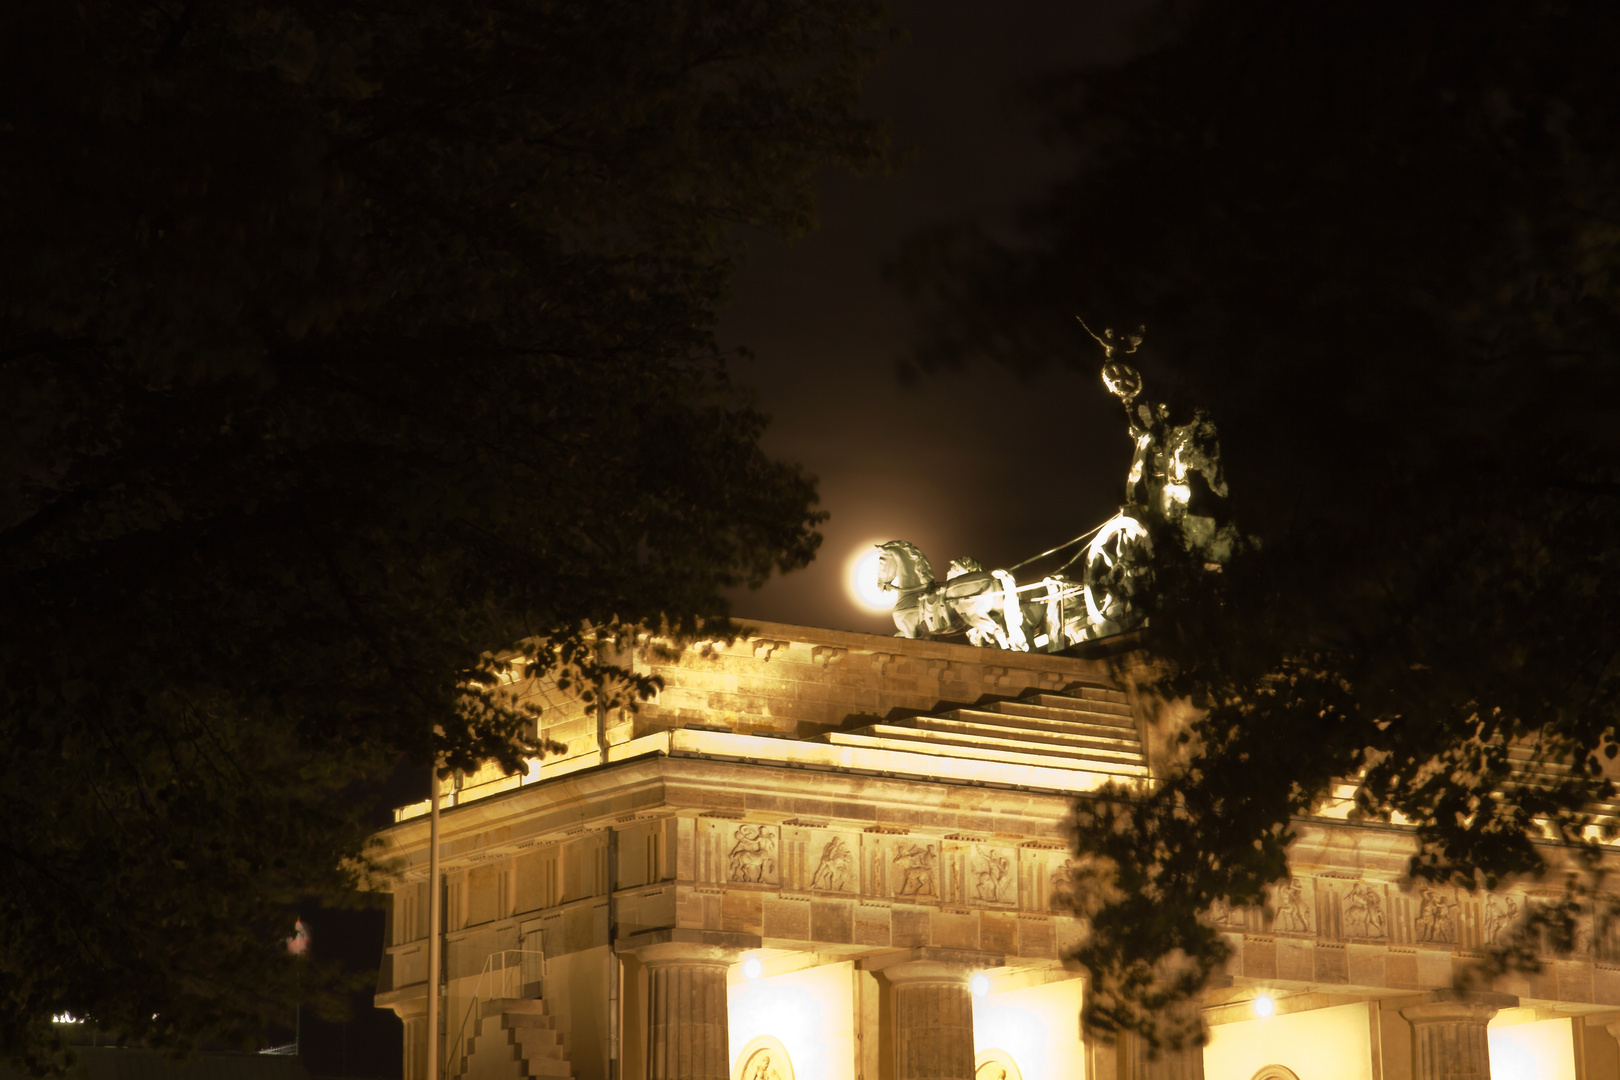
<point x="903" y="566"/>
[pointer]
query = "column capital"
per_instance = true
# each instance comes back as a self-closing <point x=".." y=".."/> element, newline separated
<point x="1451" y="1006"/>
<point x="678" y="945"/>
<point x="928" y="964"/>
<point x="1449" y="1040"/>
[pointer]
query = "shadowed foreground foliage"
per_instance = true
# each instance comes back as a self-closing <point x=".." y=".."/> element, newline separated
<point x="343" y="345"/>
<point x="1380" y="242"/>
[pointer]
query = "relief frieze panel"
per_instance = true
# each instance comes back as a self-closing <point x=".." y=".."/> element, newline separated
<point x="1585" y="938"/>
<point x="751" y="858"/>
<point x="980" y="874"/>
<point x="1293" y="907"/>
<point x="1228" y="917"/>
<point x="976" y="871"/>
<point x="1437" y="919"/>
<point x="992" y="876"/>
<point x="1343" y="909"/>
<point x="1499" y="914"/>
<point x="738" y="852"/>
<point x="914" y="868"/>
<point x="1362" y="909"/>
<point x="1042" y="872"/>
<point x="1060" y="882"/>
<point x="832" y="861"/>
<point x="879" y="863"/>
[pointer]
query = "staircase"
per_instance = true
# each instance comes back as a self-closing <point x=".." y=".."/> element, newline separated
<point x="1086" y="728"/>
<point x="512" y="1039"/>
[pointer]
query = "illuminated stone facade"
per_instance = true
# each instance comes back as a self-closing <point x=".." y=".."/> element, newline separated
<point x="833" y="856"/>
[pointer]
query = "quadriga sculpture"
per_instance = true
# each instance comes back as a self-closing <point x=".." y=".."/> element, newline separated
<point x="1175" y="477"/>
<point x="986" y="604"/>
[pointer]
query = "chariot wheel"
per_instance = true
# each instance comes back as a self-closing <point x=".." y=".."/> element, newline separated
<point x="1118" y="554"/>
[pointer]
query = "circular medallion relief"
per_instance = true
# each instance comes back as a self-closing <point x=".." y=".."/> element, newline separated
<point x="764" y="1058"/>
<point x="995" y="1065"/>
<point x="1275" y="1072"/>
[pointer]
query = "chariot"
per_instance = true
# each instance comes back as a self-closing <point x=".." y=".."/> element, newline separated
<point x="1175" y="479"/>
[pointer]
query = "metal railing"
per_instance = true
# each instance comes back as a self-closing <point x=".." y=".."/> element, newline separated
<point x="510" y="973"/>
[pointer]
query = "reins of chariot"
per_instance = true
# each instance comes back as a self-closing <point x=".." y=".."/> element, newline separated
<point x="1060" y="547"/>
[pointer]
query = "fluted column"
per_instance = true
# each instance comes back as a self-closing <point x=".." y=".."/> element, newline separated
<point x="931" y="1008"/>
<point x="1448" y="1034"/>
<point x="688" y="1037"/>
<point x="933" y="1023"/>
<point x="1135" y="1064"/>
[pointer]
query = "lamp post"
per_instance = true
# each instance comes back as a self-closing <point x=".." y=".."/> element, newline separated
<point x="435" y="917"/>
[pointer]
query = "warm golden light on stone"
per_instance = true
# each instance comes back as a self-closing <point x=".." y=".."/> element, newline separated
<point x="847" y="874"/>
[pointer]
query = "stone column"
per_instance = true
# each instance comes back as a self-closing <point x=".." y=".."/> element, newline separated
<point x="687" y="1032"/>
<point x="931" y="1008"/>
<point x="1448" y="1034"/>
<point x="1135" y="1064"/>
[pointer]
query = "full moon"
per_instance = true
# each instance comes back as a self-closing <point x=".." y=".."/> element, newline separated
<point x="860" y="580"/>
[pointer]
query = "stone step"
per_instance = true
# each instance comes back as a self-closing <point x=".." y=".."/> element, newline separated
<point x="513" y="1039"/>
<point x="1027" y="710"/>
<point x="528" y="1050"/>
<point x="540" y="1053"/>
<point x="532" y="1035"/>
<point x="1093" y="691"/>
<point x="966" y="733"/>
<point x="527" y="1006"/>
<point x="499" y="1070"/>
<point x="550" y="1067"/>
<point x="1089" y="690"/>
<point x="524" y="1046"/>
<point x="512" y="1031"/>
<point x="1108" y="733"/>
<point x="910" y="741"/>
<point x="1065" y="703"/>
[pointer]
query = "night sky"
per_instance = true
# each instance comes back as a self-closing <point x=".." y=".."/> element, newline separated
<point x="979" y="463"/>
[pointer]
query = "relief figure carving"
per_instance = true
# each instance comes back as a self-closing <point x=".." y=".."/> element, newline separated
<point x="1062" y="881"/>
<point x="1500" y="914"/>
<point x="760" y="1066"/>
<point x="1363" y="912"/>
<point x="1583" y="937"/>
<point x="753" y="854"/>
<point x="991" y="874"/>
<point x="918" y="861"/>
<point x="1293" y="909"/>
<point x="836" y="869"/>
<point x="1222" y="913"/>
<point x="1436" y="918"/>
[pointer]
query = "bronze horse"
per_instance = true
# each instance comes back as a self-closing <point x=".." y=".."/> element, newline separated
<point x="971" y="599"/>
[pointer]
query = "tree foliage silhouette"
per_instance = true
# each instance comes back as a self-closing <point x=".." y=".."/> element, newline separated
<point x="344" y="346"/>
<point x="1381" y="244"/>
